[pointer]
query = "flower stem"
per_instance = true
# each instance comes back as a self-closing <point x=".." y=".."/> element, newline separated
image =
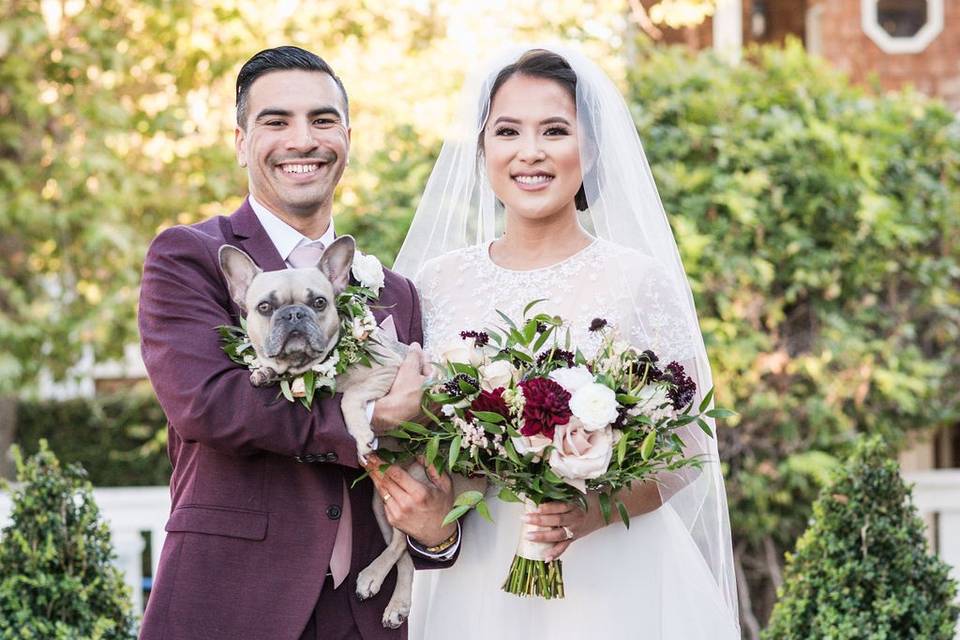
<point x="535" y="578"/>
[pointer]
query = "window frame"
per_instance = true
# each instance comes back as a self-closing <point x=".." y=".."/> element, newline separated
<point x="916" y="43"/>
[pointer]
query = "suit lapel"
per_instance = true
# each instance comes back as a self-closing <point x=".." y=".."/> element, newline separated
<point x="254" y="239"/>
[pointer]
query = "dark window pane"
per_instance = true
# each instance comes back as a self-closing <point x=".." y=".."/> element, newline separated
<point x="902" y="18"/>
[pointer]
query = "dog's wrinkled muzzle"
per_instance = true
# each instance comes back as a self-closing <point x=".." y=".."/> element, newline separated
<point x="295" y="335"/>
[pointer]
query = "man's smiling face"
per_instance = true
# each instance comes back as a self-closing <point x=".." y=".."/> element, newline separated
<point x="295" y="141"/>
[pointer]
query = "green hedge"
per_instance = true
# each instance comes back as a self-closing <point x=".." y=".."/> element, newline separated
<point x="57" y="580"/>
<point x="120" y="440"/>
<point x="818" y="225"/>
<point x="863" y="568"/>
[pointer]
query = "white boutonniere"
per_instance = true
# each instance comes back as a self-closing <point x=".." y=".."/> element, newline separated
<point x="368" y="271"/>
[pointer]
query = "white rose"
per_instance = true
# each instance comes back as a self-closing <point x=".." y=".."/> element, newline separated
<point x="368" y="271"/>
<point x="579" y="454"/>
<point x="298" y="388"/>
<point x="499" y="373"/>
<point x="531" y="444"/>
<point x="573" y="378"/>
<point x="595" y="405"/>
<point x="359" y="331"/>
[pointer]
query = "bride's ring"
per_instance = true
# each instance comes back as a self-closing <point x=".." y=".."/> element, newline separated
<point x="568" y="531"/>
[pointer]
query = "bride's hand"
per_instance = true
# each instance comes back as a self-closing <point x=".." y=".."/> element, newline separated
<point x="565" y="522"/>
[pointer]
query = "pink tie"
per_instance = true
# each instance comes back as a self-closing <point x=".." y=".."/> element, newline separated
<point x="302" y="257"/>
<point x="343" y="544"/>
<point x="305" y="255"/>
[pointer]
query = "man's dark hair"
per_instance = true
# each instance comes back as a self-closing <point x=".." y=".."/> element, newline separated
<point x="281" y="59"/>
<point x="540" y="63"/>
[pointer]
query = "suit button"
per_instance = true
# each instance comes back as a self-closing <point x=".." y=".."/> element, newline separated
<point x="332" y="456"/>
<point x="333" y="512"/>
<point x="309" y="458"/>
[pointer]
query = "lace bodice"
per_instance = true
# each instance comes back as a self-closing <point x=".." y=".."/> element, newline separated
<point x="463" y="289"/>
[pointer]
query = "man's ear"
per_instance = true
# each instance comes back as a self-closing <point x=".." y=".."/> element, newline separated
<point x="239" y="269"/>
<point x="240" y="144"/>
<point x="336" y="261"/>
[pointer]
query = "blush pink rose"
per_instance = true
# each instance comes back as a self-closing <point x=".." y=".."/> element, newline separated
<point x="579" y="455"/>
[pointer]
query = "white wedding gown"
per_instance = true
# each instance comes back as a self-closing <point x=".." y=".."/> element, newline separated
<point x="647" y="582"/>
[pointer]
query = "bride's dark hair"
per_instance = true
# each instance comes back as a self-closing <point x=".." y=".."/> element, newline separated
<point x="540" y="63"/>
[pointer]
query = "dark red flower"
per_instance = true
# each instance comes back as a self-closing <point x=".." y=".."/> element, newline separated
<point x="491" y="401"/>
<point x="546" y="404"/>
<point x="480" y="338"/>
<point x="684" y="387"/>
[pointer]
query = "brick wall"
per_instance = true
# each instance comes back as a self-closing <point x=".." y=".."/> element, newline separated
<point x="935" y="71"/>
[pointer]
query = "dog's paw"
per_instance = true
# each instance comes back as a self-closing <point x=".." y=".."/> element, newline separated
<point x="396" y="614"/>
<point x="369" y="582"/>
<point x="364" y="449"/>
<point x="263" y="377"/>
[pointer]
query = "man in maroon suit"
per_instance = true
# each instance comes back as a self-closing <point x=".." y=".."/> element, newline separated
<point x="264" y="538"/>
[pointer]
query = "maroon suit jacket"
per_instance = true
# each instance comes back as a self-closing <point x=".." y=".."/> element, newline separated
<point x="251" y="529"/>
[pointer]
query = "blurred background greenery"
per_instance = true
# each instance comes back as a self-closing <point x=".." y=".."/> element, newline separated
<point x="817" y="220"/>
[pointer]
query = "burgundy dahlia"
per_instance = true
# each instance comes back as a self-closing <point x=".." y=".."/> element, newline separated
<point x="546" y="404"/>
<point x="491" y="401"/>
<point x="683" y="386"/>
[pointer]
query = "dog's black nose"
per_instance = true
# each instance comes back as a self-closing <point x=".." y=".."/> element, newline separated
<point x="293" y="314"/>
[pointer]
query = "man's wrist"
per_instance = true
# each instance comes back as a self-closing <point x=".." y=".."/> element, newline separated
<point x="446" y="536"/>
<point x="441" y="552"/>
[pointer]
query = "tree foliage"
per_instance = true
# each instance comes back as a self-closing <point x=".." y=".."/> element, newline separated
<point x="863" y="569"/>
<point x="56" y="577"/>
<point x="116" y="120"/>
<point x="817" y="225"/>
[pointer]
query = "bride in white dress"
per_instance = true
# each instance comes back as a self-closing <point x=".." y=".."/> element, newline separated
<point x="543" y="192"/>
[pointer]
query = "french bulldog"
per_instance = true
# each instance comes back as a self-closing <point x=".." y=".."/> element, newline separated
<point x="293" y="325"/>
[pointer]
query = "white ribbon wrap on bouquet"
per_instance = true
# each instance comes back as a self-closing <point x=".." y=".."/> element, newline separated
<point x="530" y="549"/>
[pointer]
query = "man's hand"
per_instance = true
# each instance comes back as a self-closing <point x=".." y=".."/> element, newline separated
<point x="415" y="508"/>
<point x="402" y="403"/>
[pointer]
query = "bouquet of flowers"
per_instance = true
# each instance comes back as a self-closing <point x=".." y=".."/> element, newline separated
<point x="524" y="409"/>
<point x="357" y="326"/>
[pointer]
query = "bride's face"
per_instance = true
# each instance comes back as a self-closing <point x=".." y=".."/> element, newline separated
<point x="531" y="150"/>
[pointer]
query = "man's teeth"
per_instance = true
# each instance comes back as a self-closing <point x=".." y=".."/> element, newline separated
<point x="299" y="168"/>
<point x="532" y="179"/>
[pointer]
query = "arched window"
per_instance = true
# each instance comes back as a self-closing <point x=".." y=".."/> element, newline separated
<point x="902" y="26"/>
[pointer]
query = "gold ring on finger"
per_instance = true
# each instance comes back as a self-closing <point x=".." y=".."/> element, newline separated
<point x="386" y="498"/>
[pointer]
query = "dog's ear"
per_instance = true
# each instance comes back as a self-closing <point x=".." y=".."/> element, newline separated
<point x="239" y="269"/>
<point x="336" y="261"/>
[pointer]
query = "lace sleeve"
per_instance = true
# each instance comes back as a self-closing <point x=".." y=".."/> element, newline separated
<point x="660" y="321"/>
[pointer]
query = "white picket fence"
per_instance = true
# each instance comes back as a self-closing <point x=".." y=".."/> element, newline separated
<point x="136" y="514"/>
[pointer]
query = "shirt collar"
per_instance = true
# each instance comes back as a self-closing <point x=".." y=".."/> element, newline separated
<point x="284" y="237"/>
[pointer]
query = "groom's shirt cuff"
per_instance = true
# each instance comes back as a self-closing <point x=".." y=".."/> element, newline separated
<point x="442" y="556"/>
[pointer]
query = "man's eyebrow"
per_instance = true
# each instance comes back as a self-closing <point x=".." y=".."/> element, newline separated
<point x="273" y="111"/>
<point x="325" y="110"/>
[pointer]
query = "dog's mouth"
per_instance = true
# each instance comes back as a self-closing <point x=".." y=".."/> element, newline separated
<point x="299" y="348"/>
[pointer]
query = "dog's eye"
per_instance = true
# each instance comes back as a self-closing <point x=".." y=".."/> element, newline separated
<point x="265" y="308"/>
<point x="320" y="303"/>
